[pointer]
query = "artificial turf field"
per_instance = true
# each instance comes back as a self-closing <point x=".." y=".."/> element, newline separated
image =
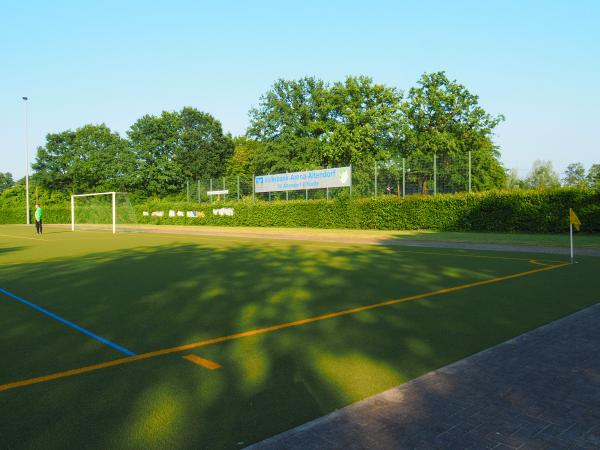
<point x="237" y="339"/>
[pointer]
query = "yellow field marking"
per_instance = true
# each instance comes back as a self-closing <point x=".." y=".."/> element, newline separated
<point x="203" y="362"/>
<point x="535" y="261"/>
<point x="243" y="334"/>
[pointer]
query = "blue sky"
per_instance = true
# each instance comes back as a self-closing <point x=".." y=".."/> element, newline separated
<point x="536" y="62"/>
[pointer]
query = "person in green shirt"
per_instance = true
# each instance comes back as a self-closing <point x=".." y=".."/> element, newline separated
<point x="38" y="218"/>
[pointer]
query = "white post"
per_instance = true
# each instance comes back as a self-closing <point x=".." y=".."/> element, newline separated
<point x="571" y="233"/>
<point x="72" y="213"/>
<point x="114" y="211"/>
<point x="26" y="161"/>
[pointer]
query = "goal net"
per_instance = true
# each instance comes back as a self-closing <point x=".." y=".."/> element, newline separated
<point x="101" y="210"/>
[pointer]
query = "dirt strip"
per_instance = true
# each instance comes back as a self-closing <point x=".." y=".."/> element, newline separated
<point x="353" y="239"/>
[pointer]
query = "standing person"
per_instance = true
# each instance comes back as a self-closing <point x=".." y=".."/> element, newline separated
<point x="38" y="218"/>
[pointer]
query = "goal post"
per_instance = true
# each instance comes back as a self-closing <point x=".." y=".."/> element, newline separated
<point x="113" y="209"/>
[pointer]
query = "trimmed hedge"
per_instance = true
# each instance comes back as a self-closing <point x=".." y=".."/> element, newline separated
<point x="502" y="211"/>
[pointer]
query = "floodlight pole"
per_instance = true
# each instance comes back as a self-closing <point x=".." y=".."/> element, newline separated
<point x="27" y="161"/>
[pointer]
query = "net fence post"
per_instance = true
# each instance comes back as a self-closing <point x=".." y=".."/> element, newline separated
<point x="375" y="178"/>
<point x="287" y="197"/>
<point x="210" y="189"/>
<point x="238" y="188"/>
<point x="198" y="191"/>
<point x="187" y="190"/>
<point x="350" y="180"/>
<point x="224" y="195"/>
<point x="114" y="212"/>
<point x="253" y="187"/>
<point x="470" y="171"/>
<point x="72" y="213"/>
<point x="403" y="178"/>
<point x="434" y="174"/>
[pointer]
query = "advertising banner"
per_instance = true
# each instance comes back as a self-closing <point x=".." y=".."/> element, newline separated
<point x="311" y="179"/>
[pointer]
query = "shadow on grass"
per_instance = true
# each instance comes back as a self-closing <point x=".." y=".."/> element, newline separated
<point x="148" y="298"/>
<point x="10" y="249"/>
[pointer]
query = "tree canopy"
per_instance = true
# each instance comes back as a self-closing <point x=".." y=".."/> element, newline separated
<point x="542" y="176"/>
<point x="159" y="154"/>
<point x="308" y="123"/>
<point x="297" y="125"/>
<point x="575" y="175"/>
<point x="6" y="181"/>
<point x="91" y="157"/>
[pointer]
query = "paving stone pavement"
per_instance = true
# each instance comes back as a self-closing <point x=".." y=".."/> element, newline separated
<point x="540" y="390"/>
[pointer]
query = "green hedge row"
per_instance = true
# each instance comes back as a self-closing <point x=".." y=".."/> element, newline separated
<point x="503" y="211"/>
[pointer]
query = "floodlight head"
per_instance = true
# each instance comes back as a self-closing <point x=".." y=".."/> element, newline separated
<point x="25" y="98"/>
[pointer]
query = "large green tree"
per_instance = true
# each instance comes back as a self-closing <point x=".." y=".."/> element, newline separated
<point x="177" y="146"/>
<point x="445" y="119"/>
<point x="593" y="176"/>
<point x="575" y="175"/>
<point x="307" y="123"/>
<point x="291" y="123"/>
<point x="247" y="155"/>
<point x="542" y="176"/>
<point x="87" y="159"/>
<point x="6" y="181"/>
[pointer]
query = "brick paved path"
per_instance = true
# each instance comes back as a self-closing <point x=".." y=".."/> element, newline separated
<point x="539" y="390"/>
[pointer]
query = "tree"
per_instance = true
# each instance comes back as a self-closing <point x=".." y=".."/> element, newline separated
<point x="291" y="123"/>
<point x="306" y="124"/>
<point x="445" y="119"/>
<point x="593" y="176"/>
<point x="175" y="147"/>
<point x="247" y="155"/>
<point x="204" y="148"/>
<point x="6" y="181"/>
<point x="542" y="176"/>
<point x="513" y="181"/>
<point x="90" y="158"/>
<point x="575" y="175"/>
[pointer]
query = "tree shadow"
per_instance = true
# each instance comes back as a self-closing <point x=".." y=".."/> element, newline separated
<point x="148" y="298"/>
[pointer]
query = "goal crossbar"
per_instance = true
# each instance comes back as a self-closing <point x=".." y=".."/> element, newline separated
<point x="114" y="208"/>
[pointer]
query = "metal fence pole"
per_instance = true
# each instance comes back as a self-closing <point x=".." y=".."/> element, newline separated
<point x="403" y="178"/>
<point x="187" y="190"/>
<point x="350" y="180"/>
<point x="434" y="174"/>
<point x="238" y="188"/>
<point x="224" y="195"/>
<point x="375" y="178"/>
<point x="469" y="171"/>
<point x="253" y="187"/>
<point x="210" y="189"/>
<point x="305" y="194"/>
<point x="198" y="191"/>
<point x="287" y="197"/>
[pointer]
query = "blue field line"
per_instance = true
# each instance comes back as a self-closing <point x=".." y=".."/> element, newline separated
<point x="66" y="322"/>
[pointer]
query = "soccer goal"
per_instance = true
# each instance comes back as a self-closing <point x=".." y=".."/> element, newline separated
<point x="95" y="212"/>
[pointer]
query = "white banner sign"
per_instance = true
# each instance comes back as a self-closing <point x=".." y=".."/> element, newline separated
<point x="311" y="179"/>
<point x="222" y="192"/>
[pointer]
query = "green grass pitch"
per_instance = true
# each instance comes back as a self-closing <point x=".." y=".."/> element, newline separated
<point x="152" y="294"/>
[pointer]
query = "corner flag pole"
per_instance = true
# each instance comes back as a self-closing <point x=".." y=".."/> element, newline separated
<point x="571" y="233"/>
<point x="573" y="220"/>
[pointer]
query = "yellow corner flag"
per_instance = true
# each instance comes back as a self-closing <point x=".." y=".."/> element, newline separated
<point x="573" y="219"/>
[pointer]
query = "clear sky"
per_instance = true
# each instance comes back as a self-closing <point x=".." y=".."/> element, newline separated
<point x="79" y="62"/>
